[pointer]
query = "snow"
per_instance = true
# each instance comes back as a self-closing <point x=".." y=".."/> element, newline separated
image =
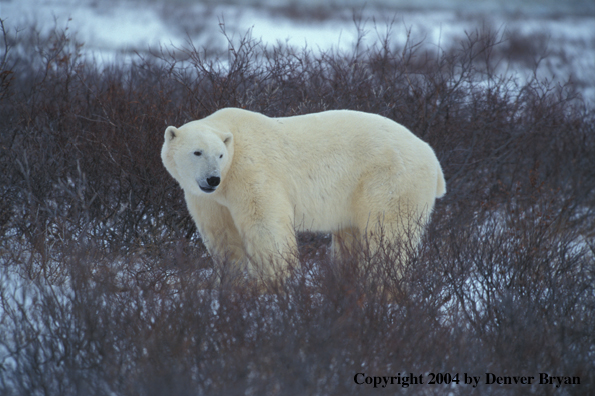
<point x="112" y="30"/>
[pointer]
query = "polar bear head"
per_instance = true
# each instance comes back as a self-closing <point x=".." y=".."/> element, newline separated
<point x="198" y="156"/>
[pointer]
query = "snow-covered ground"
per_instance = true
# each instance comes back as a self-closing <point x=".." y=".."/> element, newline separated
<point x="111" y="28"/>
<point x="110" y="25"/>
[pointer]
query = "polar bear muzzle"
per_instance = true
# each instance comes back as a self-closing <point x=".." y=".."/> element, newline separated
<point x="212" y="182"/>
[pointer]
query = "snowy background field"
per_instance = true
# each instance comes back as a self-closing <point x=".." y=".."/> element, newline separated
<point x="112" y="30"/>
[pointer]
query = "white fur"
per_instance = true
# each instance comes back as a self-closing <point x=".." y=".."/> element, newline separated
<point x="343" y="172"/>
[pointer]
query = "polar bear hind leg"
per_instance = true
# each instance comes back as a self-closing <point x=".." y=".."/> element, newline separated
<point x="392" y="218"/>
<point x="345" y="241"/>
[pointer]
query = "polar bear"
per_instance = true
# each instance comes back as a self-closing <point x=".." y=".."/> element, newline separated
<point x="249" y="181"/>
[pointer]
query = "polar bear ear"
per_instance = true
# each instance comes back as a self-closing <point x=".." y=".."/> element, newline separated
<point x="170" y="133"/>
<point x="227" y="138"/>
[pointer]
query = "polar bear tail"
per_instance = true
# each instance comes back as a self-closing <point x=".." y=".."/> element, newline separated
<point x="441" y="184"/>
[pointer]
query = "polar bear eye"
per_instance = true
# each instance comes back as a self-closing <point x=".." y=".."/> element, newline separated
<point x="198" y="153"/>
<point x="221" y="156"/>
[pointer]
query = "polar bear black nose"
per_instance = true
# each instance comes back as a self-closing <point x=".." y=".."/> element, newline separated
<point x="213" y="181"/>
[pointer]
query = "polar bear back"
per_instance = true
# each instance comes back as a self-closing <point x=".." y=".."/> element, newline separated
<point x="332" y="165"/>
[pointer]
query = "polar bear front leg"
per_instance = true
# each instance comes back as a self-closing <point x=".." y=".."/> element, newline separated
<point x="217" y="230"/>
<point x="268" y="235"/>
